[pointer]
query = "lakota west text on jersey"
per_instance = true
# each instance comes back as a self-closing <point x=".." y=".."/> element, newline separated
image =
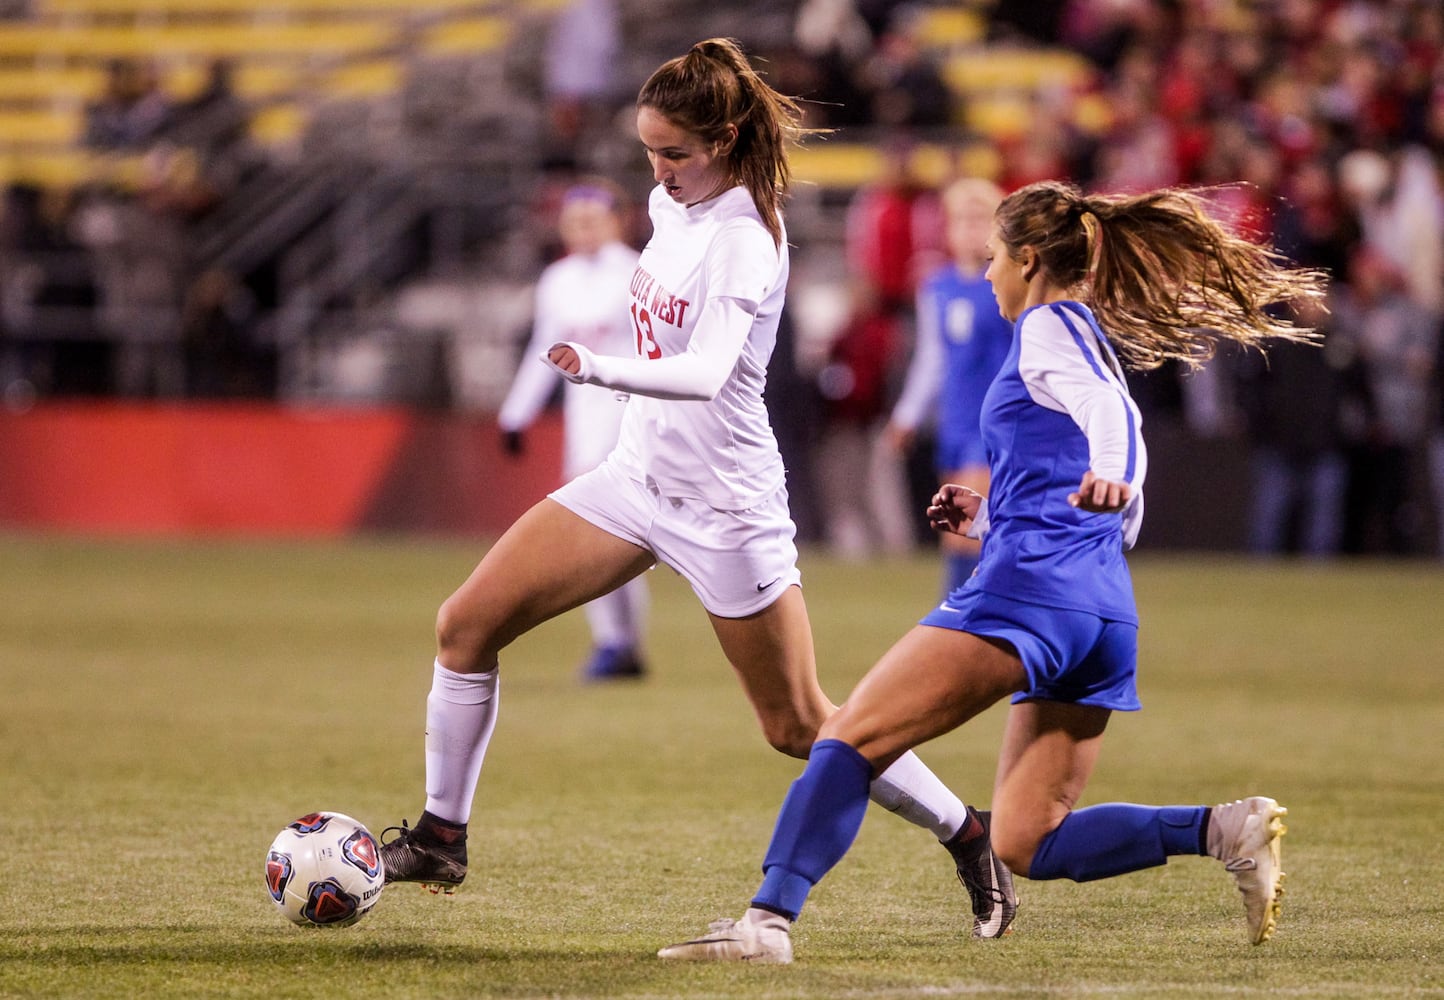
<point x="657" y="301"/>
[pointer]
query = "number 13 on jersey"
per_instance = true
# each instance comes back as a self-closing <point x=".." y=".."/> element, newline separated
<point x="642" y="324"/>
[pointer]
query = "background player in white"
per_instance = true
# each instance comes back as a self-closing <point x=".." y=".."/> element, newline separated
<point x="696" y="480"/>
<point x="1049" y="617"/>
<point x="582" y="297"/>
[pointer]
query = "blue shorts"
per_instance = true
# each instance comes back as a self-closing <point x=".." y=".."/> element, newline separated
<point x="1070" y="656"/>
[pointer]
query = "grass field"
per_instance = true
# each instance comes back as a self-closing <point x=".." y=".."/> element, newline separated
<point x="168" y="706"/>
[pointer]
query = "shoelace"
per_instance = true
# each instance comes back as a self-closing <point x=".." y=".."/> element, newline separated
<point x="404" y="833"/>
<point x="975" y="886"/>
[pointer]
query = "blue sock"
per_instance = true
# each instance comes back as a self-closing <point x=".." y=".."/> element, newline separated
<point x="817" y="824"/>
<point x="1107" y="840"/>
<point x="957" y="567"/>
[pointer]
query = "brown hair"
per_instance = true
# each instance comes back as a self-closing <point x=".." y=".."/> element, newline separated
<point x="1166" y="280"/>
<point x="714" y="86"/>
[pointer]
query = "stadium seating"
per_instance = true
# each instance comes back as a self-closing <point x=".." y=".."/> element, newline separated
<point x="290" y="57"/>
<point x="330" y="84"/>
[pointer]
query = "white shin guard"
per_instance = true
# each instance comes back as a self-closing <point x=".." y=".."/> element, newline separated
<point x="911" y="790"/>
<point x="460" y="715"/>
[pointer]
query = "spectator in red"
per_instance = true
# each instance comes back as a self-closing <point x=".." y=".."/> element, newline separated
<point x="860" y="474"/>
<point x="884" y="234"/>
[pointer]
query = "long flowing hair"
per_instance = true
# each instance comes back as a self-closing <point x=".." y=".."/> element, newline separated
<point x="1167" y="280"/>
<point x="714" y="86"/>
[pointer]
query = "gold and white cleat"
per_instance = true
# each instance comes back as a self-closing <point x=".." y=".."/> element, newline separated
<point x="1245" y="836"/>
<point x="760" y="936"/>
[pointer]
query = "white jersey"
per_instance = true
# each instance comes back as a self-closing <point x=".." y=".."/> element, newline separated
<point x="705" y="301"/>
<point x="580" y="298"/>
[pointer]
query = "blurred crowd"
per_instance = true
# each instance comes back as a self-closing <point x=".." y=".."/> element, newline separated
<point x="98" y="281"/>
<point x="1319" y="125"/>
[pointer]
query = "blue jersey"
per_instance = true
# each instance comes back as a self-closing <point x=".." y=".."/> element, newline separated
<point x="961" y="343"/>
<point x="1058" y="407"/>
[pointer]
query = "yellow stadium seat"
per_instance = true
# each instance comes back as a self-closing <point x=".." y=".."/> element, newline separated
<point x="68" y="168"/>
<point x="277" y="125"/>
<point x="466" y="36"/>
<point x="253" y="81"/>
<point x="246" y="40"/>
<point x="1000" y="116"/>
<point x="372" y="78"/>
<point x="25" y="85"/>
<point x="1013" y="69"/>
<point x="269" y="9"/>
<point x="1092" y="113"/>
<point x="836" y="164"/>
<point x="843" y="165"/>
<point x="947" y="27"/>
<point x="47" y="127"/>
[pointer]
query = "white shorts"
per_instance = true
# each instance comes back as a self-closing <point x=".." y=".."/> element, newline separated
<point x="737" y="561"/>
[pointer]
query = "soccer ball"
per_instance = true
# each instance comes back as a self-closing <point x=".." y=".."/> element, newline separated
<point x="324" y="870"/>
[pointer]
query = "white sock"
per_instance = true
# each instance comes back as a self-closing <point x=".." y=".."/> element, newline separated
<point x="912" y="791"/>
<point x="460" y="715"/>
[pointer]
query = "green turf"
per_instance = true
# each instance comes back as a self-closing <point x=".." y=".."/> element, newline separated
<point x="166" y="707"/>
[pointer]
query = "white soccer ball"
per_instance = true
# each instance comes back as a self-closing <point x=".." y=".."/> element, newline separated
<point x="325" y="870"/>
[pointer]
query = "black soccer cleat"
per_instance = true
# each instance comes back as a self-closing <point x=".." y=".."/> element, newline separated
<point x="409" y="858"/>
<point x="989" y="884"/>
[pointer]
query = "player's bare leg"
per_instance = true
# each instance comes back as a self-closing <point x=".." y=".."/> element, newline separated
<point x="548" y="562"/>
<point x="1048" y="753"/>
<point x="904" y="786"/>
<point x="773" y="655"/>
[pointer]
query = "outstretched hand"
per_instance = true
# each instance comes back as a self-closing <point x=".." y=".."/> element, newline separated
<point x="953" y="508"/>
<point x="565" y="358"/>
<point x="1101" y="496"/>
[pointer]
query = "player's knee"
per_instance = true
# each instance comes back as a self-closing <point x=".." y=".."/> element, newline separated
<point x="847" y="725"/>
<point x="1013" y="844"/>
<point x="1017" y="857"/>
<point x="790" y="736"/>
<point x="460" y="639"/>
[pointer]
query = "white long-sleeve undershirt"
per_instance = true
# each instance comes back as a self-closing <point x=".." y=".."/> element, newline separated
<point x="698" y="373"/>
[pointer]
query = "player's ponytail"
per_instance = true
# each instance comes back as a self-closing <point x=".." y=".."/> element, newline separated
<point x="1166" y="280"/>
<point x="713" y="86"/>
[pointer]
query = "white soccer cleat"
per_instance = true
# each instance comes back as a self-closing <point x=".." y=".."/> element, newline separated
<point x="1245" y="836"/>
<point x="760" y="936"/>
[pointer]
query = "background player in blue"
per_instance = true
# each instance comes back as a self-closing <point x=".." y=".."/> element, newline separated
<point x="961" y="342"/>
<point x="1049" y="617"/>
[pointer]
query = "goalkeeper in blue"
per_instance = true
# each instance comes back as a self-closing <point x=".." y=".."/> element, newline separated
<point x="1091" y="283"/>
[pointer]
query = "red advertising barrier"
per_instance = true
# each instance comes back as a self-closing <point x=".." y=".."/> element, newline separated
<point x="259" y="469"/>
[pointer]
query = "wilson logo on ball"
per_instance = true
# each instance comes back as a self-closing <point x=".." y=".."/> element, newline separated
<point x="278" y="873"/>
